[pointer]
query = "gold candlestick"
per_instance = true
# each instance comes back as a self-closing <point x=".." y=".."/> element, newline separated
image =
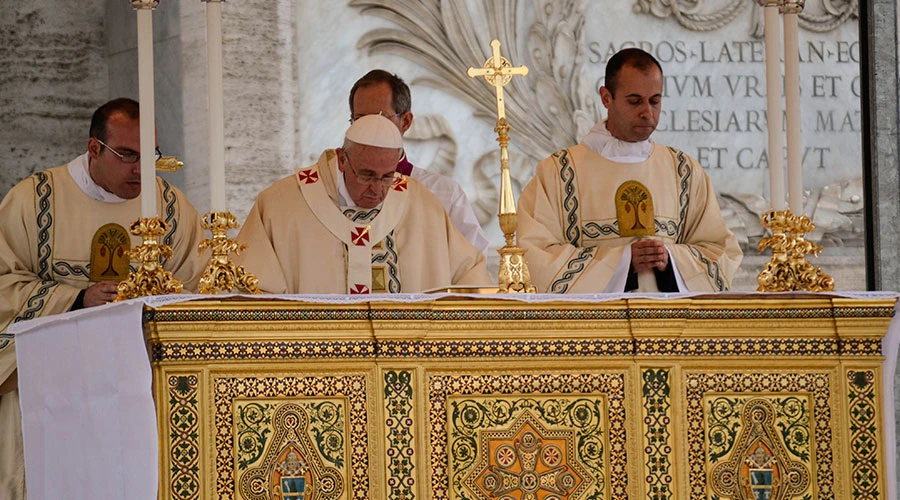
<point x="513" y="275"/>
<point x="789" y="270"/>
<point x="150" y="277"/>
<point x="221" y="275"/>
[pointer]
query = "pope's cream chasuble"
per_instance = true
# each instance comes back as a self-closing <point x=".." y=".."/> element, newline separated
<point x="360" y="234"/>
<point x="300" y="240"/>
<point x="575" y="224"/>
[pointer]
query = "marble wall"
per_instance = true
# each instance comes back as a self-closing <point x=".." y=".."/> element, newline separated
<point x="55" y="72"/>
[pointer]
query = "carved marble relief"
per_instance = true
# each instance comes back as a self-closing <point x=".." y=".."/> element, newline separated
<point x="557" y="104"/>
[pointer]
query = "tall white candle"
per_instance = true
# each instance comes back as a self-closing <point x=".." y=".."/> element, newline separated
<point x="775" y="119"/>
<point x="792" y="104"/>
<point x="216" y="111"/>
<point x="147" y="108"/>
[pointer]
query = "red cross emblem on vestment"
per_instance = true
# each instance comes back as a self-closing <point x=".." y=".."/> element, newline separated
<point x="308" y="176"/>
<point x="400" y="184"/>
<point x="360" y="236"/>
<point x="359" y="289"/>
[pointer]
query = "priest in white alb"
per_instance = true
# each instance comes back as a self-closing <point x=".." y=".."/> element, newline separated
<point x="350" y="224"/>
<point x="620" y="212"/>
<point x="64" y="244"/>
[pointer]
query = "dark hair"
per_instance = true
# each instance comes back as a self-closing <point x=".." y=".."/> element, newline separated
<point x="634" y="57"/>
<point x="124" y="105"/>
<point x="400" y="98"/>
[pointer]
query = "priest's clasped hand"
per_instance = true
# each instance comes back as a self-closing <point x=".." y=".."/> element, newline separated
<point x="647" y="254"/>
<point x="100" y="293"/>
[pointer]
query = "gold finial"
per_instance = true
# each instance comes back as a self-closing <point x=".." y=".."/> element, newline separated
<point x="150" y="277"/>
<point x="221" y="275"/>
<point x="169" y="164"/>
<point x="789" y="270"/>
<point x="145" y="4"/>
<point x="791" y="6"/>
<point x="513" y="274"/>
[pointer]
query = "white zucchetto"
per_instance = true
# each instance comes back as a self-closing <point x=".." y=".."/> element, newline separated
<point x="375" y="130"/>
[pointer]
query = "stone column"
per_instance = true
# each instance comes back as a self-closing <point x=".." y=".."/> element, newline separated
<point x="54" y="76"/>
<point x="261" y="98"/>
<point x="879" y="21"/>
<point x="880" y="138"/>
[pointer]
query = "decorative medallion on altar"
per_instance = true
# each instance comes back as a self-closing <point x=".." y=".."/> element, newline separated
<point x="291" y="467"/>
<point x="634" y="210"/>
<point x="109" y="253"/>
<point x="291" y="476"/>
<point x="527" y="461"/>
<point x="760" y="466"/>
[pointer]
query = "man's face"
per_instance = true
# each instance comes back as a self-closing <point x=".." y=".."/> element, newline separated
<point x="107" y="169"/>
<point x="376" y="99"/>
<point x="633" y="112"/>
<point x="368" y="173"/>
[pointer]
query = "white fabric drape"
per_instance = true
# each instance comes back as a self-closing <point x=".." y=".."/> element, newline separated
<point x="89" y="423"/>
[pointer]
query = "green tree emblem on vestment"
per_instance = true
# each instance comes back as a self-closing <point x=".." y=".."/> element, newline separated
<point x="113" y="243"/>
<point x="634" y="196"/>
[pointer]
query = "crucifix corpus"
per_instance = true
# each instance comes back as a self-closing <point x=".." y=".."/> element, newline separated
<point x="513" y="275"/>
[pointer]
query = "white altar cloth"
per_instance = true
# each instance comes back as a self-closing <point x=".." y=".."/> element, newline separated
<point x="89" y="423"/>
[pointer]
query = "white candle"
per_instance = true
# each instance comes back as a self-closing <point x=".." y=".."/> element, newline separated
<point x="792" y="104"/>
<point x="148" y="119"/>
<point x="216" y="111"/>
<point x="775" y="119"/>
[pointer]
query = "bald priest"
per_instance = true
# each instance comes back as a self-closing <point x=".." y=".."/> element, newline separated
<point x="352" y="224"/>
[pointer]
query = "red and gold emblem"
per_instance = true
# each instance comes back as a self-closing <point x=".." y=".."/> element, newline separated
<point x="360" y="235"/>
<point x="401" y="184"/>
<point x="308" y="176"/>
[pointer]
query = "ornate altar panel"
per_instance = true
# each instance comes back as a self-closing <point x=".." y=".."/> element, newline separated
<point x="756" y="397"/>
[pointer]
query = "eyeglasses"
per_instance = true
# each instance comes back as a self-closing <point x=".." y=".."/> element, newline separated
<point x="385" y="181"/>
<point x="353" y="118"/>
<point x="128" y="157"/>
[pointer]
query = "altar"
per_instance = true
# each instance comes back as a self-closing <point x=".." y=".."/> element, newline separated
<point x="742" y="396"/>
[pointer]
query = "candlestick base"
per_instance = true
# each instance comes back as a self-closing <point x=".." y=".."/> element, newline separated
<point x="221" y="275"/>
<point x="513" y="275"/>
<point x="789" y="270"/>
<point x="150" y="277"/>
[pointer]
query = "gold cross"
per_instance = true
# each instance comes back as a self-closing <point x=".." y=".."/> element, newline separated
<point x="498" y="71"/>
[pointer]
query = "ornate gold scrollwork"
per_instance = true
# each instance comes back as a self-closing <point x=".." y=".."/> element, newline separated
<point x="150" y="277"/>
<point x="221" y="275"/>
<point x="788" y="269"/>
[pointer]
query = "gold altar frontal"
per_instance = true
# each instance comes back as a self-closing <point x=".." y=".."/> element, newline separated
<point x="731" y="397"/>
